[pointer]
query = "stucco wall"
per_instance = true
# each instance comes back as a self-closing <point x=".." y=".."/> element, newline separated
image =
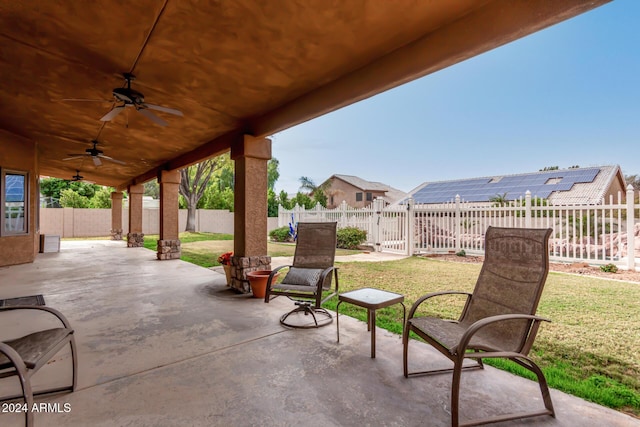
<point x="615" y="188"/>
<point x="20" y="154"/>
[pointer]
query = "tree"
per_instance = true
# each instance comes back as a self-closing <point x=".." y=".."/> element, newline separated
<point x="549" y="168"/>
<point x="272" y="203"/>
<point x="307" y="184"/>
<point x="152" y="188"/>
<point x="102" y="198"/>
<point x="217" y="199"/>
<point x="194" y="180"/>
<point x="316" y="192"/>
<point x="52" y="187"/>
<point x="499" y="200"/>
<point x="303" y="199"/>
<point x="634" y="180"/>
<point x="283" y="199"/>
<point x="71" y="199"/>
<point x="272" y="173"/>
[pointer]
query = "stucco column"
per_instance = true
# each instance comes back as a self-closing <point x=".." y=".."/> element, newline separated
<point x="116" y="215"/>
<point x="250" y="209"/>
<point x="169" y="243"/>
<point x="135" y="237"/>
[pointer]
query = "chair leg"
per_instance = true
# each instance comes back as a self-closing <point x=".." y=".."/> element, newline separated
<point x="308" y="310"/>
<point x="542" y="382"/>
<point x="74" y="361"/>
<point x="27" y="392"/>
<point x="405" y="351"/>
<point x="455" y="392"/>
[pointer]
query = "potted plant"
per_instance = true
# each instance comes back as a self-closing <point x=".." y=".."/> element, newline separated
<point x="258" y="281"/>
<point x="225" y="261"/>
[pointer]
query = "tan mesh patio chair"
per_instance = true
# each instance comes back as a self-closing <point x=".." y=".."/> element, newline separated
<point x="308" y="281"/>
<point x="24" y="356"/>
<point x="498" y="319"/>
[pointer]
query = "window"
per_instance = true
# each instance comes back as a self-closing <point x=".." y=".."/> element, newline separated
<point x="358" y="197"/>
<point x="14" y="202"/>
<point x="369" y="197"/>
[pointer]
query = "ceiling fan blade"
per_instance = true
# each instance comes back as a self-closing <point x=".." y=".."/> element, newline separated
<point x="96" y="161"/>
<point x="148" y="114"/>
<point x="163" y="109"/>
<point x="111" y="159"/>
<point x="111" y="114"/>
<point x="74" y="156"/>
<point x="86" y="100"/>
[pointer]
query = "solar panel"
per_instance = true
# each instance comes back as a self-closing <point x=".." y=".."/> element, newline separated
<point x="515" y="186"/>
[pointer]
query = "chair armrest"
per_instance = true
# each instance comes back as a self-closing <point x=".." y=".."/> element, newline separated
<point x="422" y="299"/>
<point x="13" y="355"/>
<point x="15" y="360"/>
<point x="327" y="271"/>
<point x="479" y="324"/>
<point x="273" y="273"/>
<point x="53" y="311"/>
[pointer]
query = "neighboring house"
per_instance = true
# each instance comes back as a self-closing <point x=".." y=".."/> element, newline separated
<point x="575" y="186"/>
<point x="357" y="192"/>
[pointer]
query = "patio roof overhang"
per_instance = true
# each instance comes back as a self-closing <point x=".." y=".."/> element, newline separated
<point x="232" y="68"/>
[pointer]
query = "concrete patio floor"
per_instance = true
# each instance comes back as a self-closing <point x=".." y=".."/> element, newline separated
<point x="166" y="343"/>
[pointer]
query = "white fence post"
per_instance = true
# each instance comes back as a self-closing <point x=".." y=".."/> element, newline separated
<point x="343" y="214"/>
<point x="527" y="209"/>
<point x="457" y="219"/>
<point x="378" y="205"/>
<point x="411" y="227"/>
<point x="631" y="244"/>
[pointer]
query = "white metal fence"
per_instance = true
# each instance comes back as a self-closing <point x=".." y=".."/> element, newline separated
<point x="597" y="234"/>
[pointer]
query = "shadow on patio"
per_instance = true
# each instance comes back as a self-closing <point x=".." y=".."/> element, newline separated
<point x="167" y="344"/>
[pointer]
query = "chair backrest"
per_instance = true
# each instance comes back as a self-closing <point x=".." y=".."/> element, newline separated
<point x="316" y="246"/>
<point x="511" y="281"/>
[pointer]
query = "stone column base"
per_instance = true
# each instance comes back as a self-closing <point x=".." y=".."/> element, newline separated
<point x="116" y="234"/>
<point x="240" y="266"/>
<point x="135" y="240"/>
<point x="169" y="249"/>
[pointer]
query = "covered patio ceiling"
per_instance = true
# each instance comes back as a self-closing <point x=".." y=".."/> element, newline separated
<point x="232" y="67"/>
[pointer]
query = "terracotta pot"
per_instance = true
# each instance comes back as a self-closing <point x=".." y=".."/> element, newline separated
<point x="227" y="272"/>
<point x="258" y="281"/>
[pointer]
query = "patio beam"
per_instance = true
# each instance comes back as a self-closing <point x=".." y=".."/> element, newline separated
<point x="495" y="24"/>
<point x="215" y="147"/>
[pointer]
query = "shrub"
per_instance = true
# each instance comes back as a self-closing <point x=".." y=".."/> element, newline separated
<point x="281" y="234"/>
<point x="71" y="199"/>
<point x="461" y="253"/>
<point x="351" y="237"/>
<point x="609" y="268"/>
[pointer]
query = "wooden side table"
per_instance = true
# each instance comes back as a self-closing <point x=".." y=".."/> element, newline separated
<point x="371" y="299"/>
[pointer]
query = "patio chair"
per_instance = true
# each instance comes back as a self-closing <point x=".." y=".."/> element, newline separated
<point x="310" y="275"/>
<point x="498" y="319"/>
<point x="23" y="357"/>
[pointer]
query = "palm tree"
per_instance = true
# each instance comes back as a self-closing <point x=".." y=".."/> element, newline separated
<point x="318" y="192"/>
<point x="499" y="200"/>
<point x="307" y="184"/>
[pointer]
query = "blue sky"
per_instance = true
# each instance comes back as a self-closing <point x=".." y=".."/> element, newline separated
<point x="567" y="95"/>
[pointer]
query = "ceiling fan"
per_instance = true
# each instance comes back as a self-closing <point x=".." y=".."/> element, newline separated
<point x="95" y="155"/>
<point x="132" y="98"/>
<point x="77" y="177"/>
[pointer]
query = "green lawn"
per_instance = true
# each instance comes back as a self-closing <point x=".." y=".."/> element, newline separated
<point x="203" y="249"/>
